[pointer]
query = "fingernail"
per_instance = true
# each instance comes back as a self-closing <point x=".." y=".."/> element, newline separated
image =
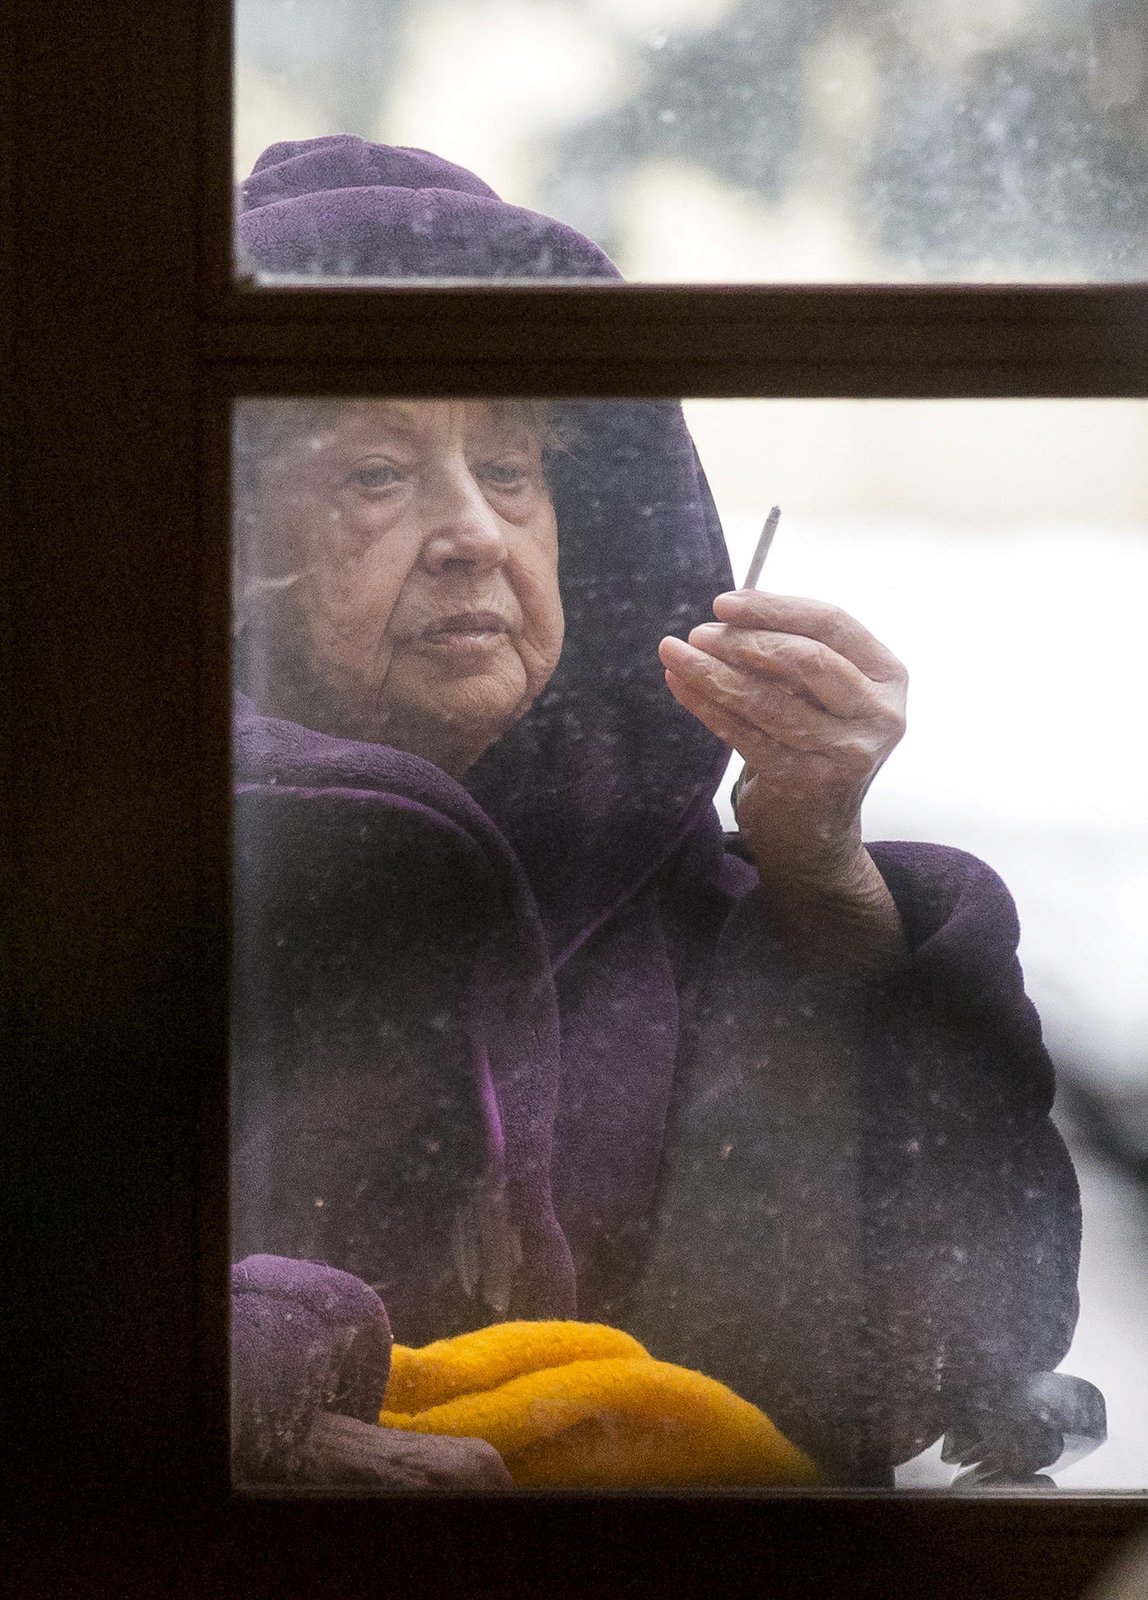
<point x="680" y="650"/>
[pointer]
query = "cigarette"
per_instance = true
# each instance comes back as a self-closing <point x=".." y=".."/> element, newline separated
<point x="762" y="550"/>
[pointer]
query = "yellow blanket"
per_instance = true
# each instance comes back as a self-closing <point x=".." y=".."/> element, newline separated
<point x="580" y="1405"/>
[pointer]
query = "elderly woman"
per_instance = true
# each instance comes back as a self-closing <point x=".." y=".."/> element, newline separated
<point x="518" y="1032"/>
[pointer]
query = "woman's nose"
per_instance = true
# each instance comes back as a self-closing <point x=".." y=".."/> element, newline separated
<point x="461" y="526"/>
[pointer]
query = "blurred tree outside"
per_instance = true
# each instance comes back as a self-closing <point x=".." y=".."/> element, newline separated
<point x="833" y="139"/>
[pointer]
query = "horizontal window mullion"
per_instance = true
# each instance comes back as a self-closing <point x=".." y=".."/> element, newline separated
<point x="643" y="341"/>
<point x="783" y="381"/>
<point x="613" y="302"/>
<point x="937" y="375"/>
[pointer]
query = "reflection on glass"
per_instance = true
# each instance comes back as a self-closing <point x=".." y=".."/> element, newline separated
<point x="666" y="1155"/>
<point x="746" y="140"/>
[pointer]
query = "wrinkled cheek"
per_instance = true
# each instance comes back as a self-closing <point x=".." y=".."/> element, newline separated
<point x="348" y="630"/>
<point x="540" y="657"/>
<point x="542" y="639"/>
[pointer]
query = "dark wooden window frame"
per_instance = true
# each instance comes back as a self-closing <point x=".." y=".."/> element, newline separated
<point x="125" y="340"/>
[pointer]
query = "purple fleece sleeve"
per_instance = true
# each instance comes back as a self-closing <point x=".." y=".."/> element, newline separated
<point x="974" y="1203"/>
<point x="304" y="1338"/>
<point x="962" y="930"/>
<point x="867" y="1222"/>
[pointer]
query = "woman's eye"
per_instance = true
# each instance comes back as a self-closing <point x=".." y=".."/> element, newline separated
<point x="379" y="476"/>
<point x="505" y="474"/>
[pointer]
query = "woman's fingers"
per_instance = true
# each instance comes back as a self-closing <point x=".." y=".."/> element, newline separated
<point x="783" y="768"/>
<point x="762" y="704"/>
<point x="814" y="704"/>
<point x="817" y="776"/>
<point x="802" y="666"/>
<point x="751" y="706"/>
<point x="717" y="717"/>
<point x="811" y="619"/>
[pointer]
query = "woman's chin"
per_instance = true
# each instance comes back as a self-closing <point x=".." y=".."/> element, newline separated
<point x="454" y="726"/>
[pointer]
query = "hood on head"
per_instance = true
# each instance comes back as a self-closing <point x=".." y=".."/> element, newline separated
<point x="606" y="773"/>
<point x="341" y="207"/>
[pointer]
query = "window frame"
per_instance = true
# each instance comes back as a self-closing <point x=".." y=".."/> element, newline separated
<point x="127" y="342"/>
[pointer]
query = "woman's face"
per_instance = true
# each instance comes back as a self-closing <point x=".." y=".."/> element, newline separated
<point x="427" y="613"/>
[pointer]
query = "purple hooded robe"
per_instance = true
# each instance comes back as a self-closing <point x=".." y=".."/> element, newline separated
<point x="527" y="1044"/>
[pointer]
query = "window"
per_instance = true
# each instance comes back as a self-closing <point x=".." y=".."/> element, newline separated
<point x="995" y="547"/>
<point x="746" y="140"/>
<point x="129" y="343"/>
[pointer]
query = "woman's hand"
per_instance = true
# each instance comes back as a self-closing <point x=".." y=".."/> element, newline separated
<point x="814" y="704"/>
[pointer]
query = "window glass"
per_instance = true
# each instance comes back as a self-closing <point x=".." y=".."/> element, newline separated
<point x="525" y="1052"/>
<point x="741" y="140"/>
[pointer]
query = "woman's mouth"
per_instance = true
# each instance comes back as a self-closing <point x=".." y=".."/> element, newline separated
<point x="465" y="633"/>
